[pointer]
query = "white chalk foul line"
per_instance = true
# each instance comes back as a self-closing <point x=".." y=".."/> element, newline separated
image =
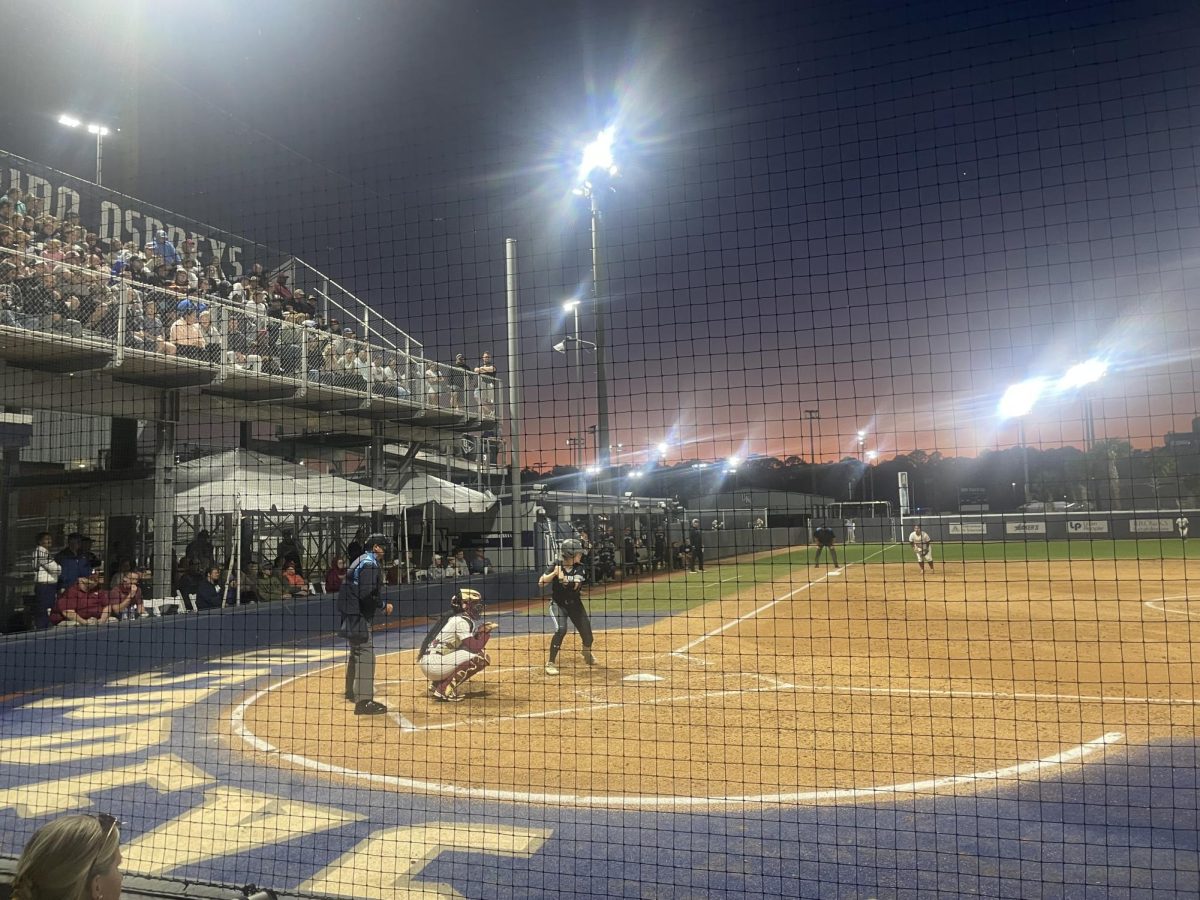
<point x="1160" y="605"/>
<point x="762" y="609"/>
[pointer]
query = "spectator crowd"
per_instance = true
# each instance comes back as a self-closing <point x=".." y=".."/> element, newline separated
<point x="57" y="276"/>
<point x="73" y="586"/>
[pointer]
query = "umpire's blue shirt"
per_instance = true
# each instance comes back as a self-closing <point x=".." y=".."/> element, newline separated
<point x="360" y="593"/>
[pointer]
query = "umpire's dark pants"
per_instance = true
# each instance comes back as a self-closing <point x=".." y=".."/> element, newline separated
<point x="832" y="553"/>
<point x="360" y="667"/>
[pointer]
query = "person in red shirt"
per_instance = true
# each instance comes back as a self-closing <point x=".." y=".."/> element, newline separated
<point x="335" y="576"/>
<point x="293" y="583"/>
<point x="83" y="603"/>
<point x="127" y="593"/>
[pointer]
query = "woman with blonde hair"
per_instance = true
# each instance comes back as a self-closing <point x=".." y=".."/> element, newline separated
<point x="72" y="858"/>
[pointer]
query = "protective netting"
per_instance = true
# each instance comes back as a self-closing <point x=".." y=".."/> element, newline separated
<point x="600" y="450"/>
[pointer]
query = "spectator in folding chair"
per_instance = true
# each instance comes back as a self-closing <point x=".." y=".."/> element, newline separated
<point x="127" y="594"/>
<point x="335" y="575"/>
<point x="270" y="585"/>
<point x="293" y="582"/>
<point x="209" y="592"/>
<point x="186" y="334"/>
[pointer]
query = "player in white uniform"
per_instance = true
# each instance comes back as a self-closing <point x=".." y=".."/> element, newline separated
<point x="851" y="527"/>
<point x="453" y="649"/>
<point x="920" y="542"/>
<point x="1181" y="525"/>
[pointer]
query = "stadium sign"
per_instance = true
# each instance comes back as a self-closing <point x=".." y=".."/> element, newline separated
<point x="968" y="528"/>
<point x="1087" y="526"/>
<point x="1151" y="525"/>
<point x="114" y="216"/>
<point x="1025" y="527"/>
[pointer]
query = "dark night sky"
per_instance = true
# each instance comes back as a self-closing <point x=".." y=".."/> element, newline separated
<point x="887" y="211"/>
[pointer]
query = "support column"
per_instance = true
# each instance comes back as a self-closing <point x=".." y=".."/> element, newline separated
<point x="375" y="467"/>
<point x="164" y="492"/>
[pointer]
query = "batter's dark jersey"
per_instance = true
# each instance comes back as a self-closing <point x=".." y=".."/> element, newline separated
<point x="567" y="595"/>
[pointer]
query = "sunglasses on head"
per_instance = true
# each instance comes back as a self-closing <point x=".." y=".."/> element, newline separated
<point x="107" y="824"/>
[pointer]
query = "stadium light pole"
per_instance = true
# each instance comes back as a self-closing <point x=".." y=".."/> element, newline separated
<point x="596" y="169"/>
<point x="100" y="131"/>
<point x="813" y="415"/>
<point x="572" y="306"/>
<point x="1016" y="403"/>
<point x="871" y="456"/>
<point x="1079" y="377"/>
<point x="862" y="459"/>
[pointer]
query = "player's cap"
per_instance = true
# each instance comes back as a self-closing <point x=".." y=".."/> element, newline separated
<point x="570" y="547"/>
<point x="377" y="540"/>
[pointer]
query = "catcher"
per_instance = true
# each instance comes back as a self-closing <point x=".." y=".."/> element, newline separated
<point x="920" y="541"/>
<point x="452" y="651"/>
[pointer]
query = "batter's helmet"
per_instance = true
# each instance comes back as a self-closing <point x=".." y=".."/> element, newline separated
<point x="570" y="547"/>
<point x="378" y="540"/>
<point x="466" y="600"/>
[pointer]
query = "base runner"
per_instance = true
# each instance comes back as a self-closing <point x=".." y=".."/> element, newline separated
<point x="452" y="651"/>
<point x="920" y="542"/>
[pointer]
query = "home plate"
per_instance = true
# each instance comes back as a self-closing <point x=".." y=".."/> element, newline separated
<point x="642" y="676"/>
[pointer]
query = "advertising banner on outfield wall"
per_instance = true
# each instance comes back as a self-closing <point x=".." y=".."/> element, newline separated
<point x="968" y="528"/>
<point x="1025" y="527"/>
<point x="1152" y="526"/>
<point x="1086" y="526"/>
<point x="113" y="216"/>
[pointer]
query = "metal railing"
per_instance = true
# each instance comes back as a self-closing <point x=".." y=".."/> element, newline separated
<point x="337" y="302"/>
<point x="128" y="314"/>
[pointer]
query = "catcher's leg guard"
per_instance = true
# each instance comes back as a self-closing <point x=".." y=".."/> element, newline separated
<point x="449" y="686"/>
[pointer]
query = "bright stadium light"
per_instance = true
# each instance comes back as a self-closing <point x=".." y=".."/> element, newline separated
<point x="1083" y="373"/>
<point x="663" y="449"/>
<point x="93" y="128"/>
<point x="598" y="156"/>
<point x="636" y="473"/>
<point x="1020" y="399"/>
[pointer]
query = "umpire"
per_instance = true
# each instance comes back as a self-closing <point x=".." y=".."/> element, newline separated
<point x="358" y="601"/>
<point x="825" y="537"/>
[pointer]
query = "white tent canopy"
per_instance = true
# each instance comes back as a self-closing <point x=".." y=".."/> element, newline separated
<point x="420" y="489"/>
<point x="244" y="481"/>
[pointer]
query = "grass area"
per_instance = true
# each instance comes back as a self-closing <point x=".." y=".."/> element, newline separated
<point x="680" y="591"/>
<point x="1027" y="551"/>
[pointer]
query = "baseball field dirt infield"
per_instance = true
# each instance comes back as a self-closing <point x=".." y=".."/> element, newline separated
<point x="815" y="686"/>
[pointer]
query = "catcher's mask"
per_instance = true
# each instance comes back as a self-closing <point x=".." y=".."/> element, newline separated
<point x="467" y="600"/>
